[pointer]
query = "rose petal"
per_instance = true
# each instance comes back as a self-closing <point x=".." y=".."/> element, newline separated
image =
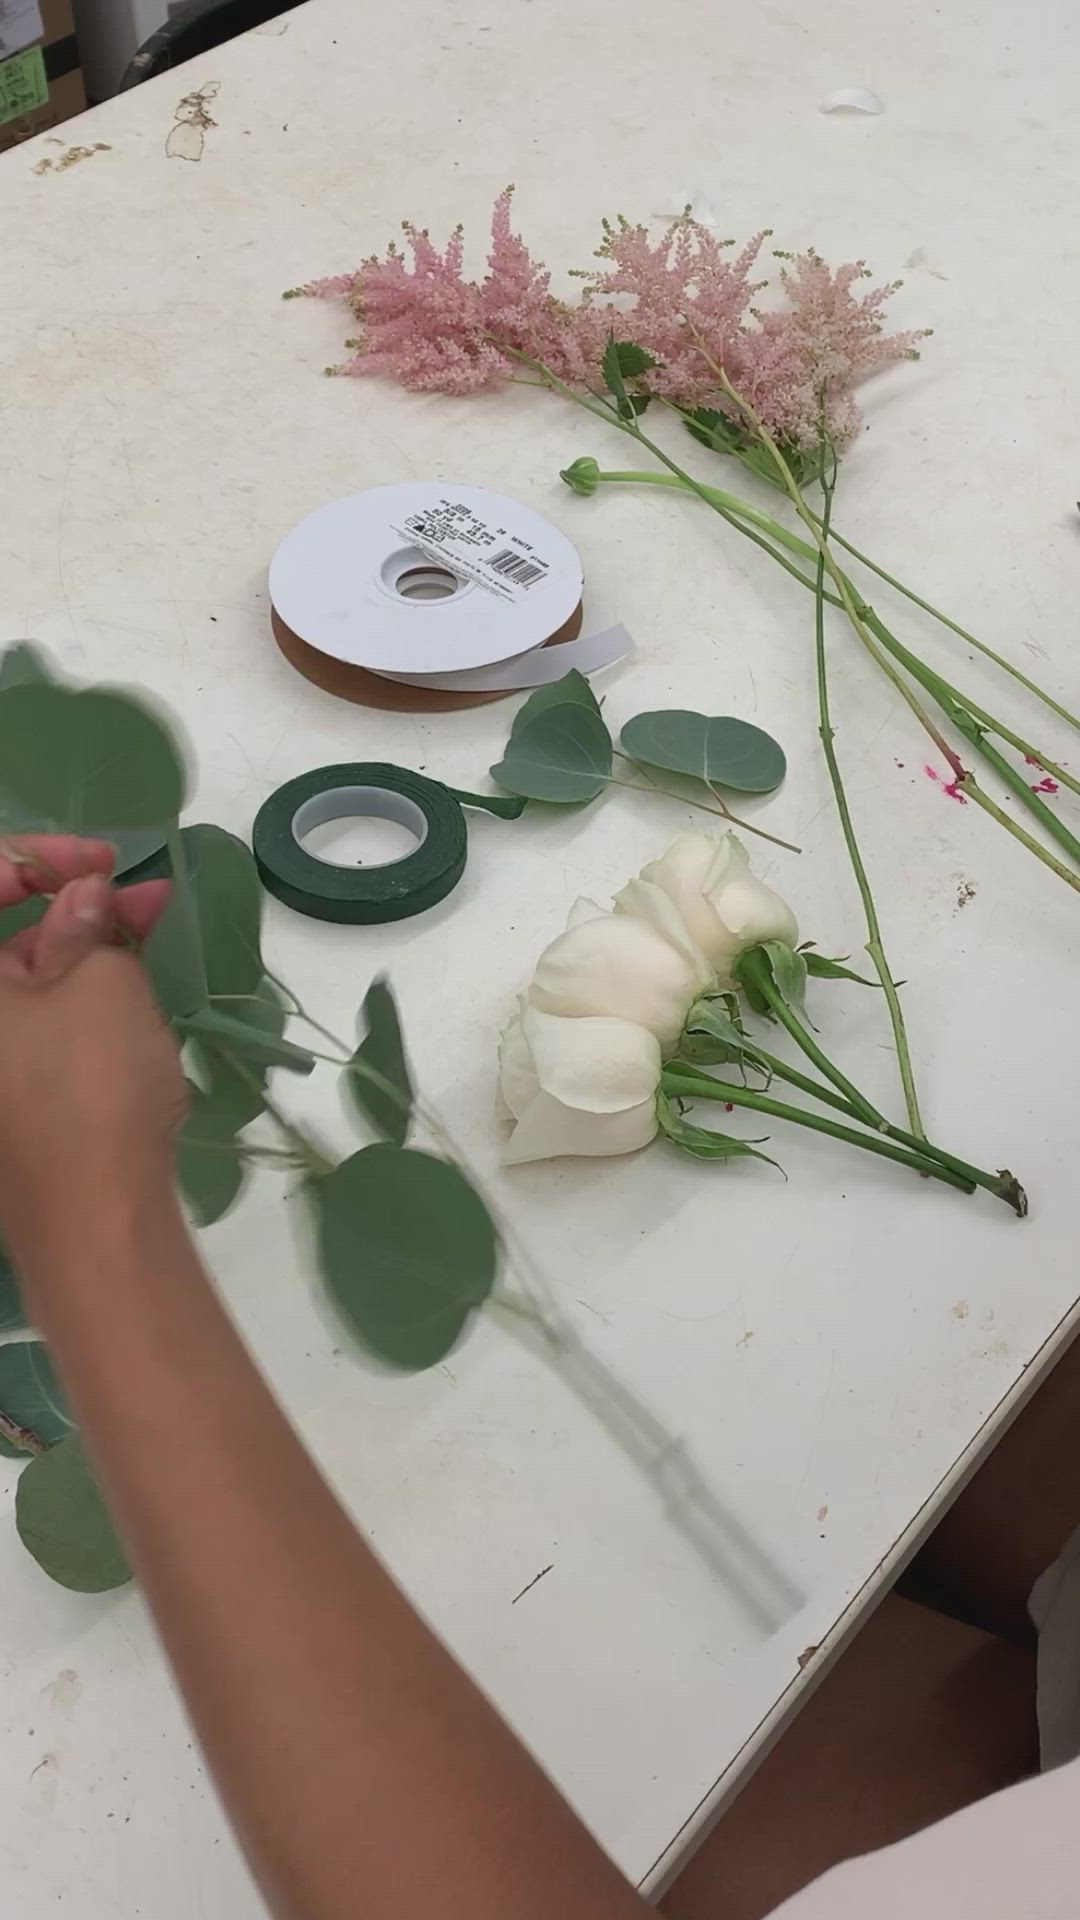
<point x="650" y="903"/>
<point x="582" y="910"/>
<point x="687" y="873"/>
<point x="595" y="1064"/>
<point x="619" y="966"/>
<point x="549" y="1129"/>
<point x="753" y="911"/>
<point x="518" y="1084"/>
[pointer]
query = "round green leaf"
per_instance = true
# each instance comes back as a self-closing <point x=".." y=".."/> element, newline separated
<point x="228" y="905"/>
<point x="564" y="755"/>
<point x="722" y="752"/>
<point x="63" y="1522"/>
<point x="31" y="1395"/>
<point x="382" y="1050"/>
<point x="237" y="1087"/>
<point x="82" y="757"/>
<point x="23" y="665"/>
<point x="208" y="1164"/>
<point x="407" y="1250"/>
<point x="572" y="690"/>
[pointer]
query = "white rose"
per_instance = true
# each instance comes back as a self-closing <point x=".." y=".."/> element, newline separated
<point x="724" y="907"/>
<point x="624" y="967"/>
<point x="577" y="1086"/>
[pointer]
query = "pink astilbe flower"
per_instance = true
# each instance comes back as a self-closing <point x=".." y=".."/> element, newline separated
<point x="685" y="298"/>
<point x="686" y="285"/>
<point x="805" y="359"/>
<point x="428" y="327"/>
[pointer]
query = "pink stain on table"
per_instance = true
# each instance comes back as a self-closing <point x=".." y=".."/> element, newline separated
<point x="951" y="787"/>
<point x="1046" y="786"/>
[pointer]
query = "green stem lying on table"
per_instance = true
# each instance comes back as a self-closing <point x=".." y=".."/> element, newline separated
<point x="962" y="632"/>
<point x="870" y="628"/>
<point x="755" y="969"/>
<point x="681" y="1080"/>
<point x="681" y="1085"/>
<point x="874" y="944"/>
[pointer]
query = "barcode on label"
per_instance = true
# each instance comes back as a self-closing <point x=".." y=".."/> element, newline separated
<point x="515" y="567"/>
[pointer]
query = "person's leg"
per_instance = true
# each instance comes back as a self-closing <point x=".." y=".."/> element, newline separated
<point x="1011" y="1522"/>
<point x="921" y="1716"/>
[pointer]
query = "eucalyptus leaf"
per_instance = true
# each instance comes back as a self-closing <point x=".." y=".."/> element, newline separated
<point x="383" y="1052"/>
<point x="722" y="752"/>
<point x="31" y="1395"/>
<point x="83" y="756"/>
<point x="407" y="1250"/>
<point x="209" y="1168"/>
<point x="237" y="1092"/>
<point x="572" y="690"/>
<point x="225" y="1035"/>
<point x="12" y="1312"/>
<point x="63" y="1522"/>
<point x="173" y="954"/>
<point x="563" y="755"/>
<point x="23" y="665"/>
<point x="702" y="1142"/>
<point x="228" y="906"/>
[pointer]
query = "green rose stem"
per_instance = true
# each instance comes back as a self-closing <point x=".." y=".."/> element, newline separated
<point x="875" y="947"/>
<point x="964" y="778"/>
<point x="874" y="944"/>
<point x="585" y="476"/>
<point x="979" y="645"/>
<point x="1002" y="1185"/>
<point x="753" y="968"/>
<point x="681" y="1080"/>
<point x="687" y="1086"/>
<point x="747" y="520"/>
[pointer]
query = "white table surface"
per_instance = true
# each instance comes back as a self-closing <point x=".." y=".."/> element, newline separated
<point x="834" y="1352"/>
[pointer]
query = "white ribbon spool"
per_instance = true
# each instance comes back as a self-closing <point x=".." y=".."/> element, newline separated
<point x="437" y="585"/>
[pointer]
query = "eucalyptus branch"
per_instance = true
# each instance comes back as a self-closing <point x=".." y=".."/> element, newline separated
<point x="721" y="810"/>
<point x="310" y="1156"/>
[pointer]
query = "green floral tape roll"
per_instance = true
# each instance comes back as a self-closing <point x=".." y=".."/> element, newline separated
<point x="360" y="896"/>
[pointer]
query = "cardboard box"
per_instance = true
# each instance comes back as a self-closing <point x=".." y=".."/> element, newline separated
<point x="40" y="77"/>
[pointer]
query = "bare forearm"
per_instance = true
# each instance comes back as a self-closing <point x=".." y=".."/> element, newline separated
<point x="362" y="1768"/>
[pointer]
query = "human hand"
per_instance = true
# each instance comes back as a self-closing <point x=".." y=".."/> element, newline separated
<point x="91" y="1090"/>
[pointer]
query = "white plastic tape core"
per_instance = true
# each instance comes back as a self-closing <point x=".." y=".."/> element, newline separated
<point x="358" y="803"/>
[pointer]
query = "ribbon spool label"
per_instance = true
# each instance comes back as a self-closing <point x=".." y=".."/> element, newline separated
<point x="496" y="557"/>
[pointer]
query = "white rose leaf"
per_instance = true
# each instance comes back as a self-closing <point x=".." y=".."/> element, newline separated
<point x="702" y="1142"/>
